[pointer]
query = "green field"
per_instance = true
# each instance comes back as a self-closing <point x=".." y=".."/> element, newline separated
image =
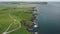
<point x="17" y="13"/>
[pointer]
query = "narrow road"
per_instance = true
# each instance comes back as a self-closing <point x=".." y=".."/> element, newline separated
<point x="6" y="32"/>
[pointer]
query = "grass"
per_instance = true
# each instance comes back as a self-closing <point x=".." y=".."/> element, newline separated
<point x="17" y="13"/>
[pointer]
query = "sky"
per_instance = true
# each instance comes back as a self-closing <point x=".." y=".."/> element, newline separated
<point x="21" y="0"/>
<point x="30" y="0"/>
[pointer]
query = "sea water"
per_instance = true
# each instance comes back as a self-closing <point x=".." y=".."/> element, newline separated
<point x="49" y="18"/>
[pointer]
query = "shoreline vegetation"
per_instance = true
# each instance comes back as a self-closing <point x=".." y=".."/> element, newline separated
<point x="21" y="14"/>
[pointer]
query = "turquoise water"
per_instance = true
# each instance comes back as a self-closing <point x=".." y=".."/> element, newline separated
<point x="49" y="18"/>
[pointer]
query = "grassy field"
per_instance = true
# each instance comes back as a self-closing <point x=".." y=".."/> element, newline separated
<point x="18" y="14"/>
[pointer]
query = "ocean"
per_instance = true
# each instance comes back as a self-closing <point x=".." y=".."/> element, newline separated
<point x="49" y="18"/>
